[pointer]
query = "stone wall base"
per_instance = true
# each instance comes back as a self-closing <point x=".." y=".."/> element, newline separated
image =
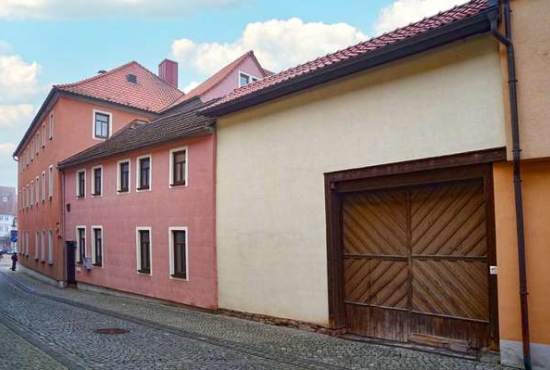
<point x="41" y="277"/>
<point x="511" y="354"/>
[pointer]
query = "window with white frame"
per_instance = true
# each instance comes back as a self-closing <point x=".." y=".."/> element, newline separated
<point x="97" y="245"/>
<point x="102" y="125"/>
<point x="43" y="183"/>
<point x="50" y="246"/>
<point x="36" y="244"/>
<point x="51" y="126"/>
<point x="245" y="79"/>
<point x="32" y="192"/>
<point x="44" y="135"/>
<point x="123" y="176"/>
<point x="37" y="190"/>
<point x="50" y="181"/>
<point x="43" y="247"/>
<point x="178" y="166"/>
<point x="97" y="180"/>
<point x="81" y="184"/>
<point x="179" y="256"/>
<point x="143" y="249"/>
<point x="80" y="244"/>
<point x="28" y="241"/>
<point x="143" y="172"/>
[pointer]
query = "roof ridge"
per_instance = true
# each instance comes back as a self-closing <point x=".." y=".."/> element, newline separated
<point x="95" y="77"/>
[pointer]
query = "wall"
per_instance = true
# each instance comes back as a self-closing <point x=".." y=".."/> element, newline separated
<point x="72" y="133"/>
<point x="271" y="233"/>
<point x="531" y="36"/>
<point x="536" y="197"/>
<point x="160" y="208"/>
<point x="231" y="82"/>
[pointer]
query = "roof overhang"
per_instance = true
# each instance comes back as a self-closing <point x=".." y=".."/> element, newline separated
<point x="468" y="27"/>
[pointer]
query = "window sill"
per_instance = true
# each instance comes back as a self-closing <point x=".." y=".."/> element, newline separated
<point x="141" y="189"/>
<point x="97" y="264"/>
<point x="80" y="197"/>
<point x="96" y="194"/>
<point x="43" y="262"/>
<point x="122" y="191"/>
<point x="145" y="272"/>
<point x="183" y="183"/>
<point x="50" y="263"/>
<point x="179" y="276"/>
<point x="36" y="258"/>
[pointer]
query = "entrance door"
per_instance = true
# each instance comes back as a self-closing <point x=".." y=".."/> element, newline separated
<point x="415" y="264"/>
<point x="71" y="260"/>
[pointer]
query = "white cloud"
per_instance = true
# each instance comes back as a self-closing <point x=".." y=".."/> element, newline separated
<point x="403" y="12"/>
<point x="6" y="149"/>
<point x="16" y="116"/>
<point x="278" y="44"/>
<point x="55" y="9"/>
<point x="190" y="86"/>
<point x="18" y="79"/>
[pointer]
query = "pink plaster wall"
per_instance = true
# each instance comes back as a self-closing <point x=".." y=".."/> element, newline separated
<point x="231" y="82"/>
<point x="162" y="207"/>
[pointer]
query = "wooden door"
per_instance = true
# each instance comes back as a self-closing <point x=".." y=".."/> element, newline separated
<point x="415" y="264"/>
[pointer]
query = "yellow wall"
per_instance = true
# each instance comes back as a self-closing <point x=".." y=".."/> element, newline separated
<point x="271" y="232"/>
<point x="536" y="193"/>
<point x="531" y="36"/>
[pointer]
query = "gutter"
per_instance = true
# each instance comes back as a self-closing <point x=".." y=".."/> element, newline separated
<point x="506" y="40"/>
<point x="459" y="30"/>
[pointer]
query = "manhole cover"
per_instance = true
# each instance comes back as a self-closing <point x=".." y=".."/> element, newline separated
<point x="111" y="331"/>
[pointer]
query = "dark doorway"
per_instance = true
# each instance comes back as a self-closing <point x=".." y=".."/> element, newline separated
<point x="71" y="259"/>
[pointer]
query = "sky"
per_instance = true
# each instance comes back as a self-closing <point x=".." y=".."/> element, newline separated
<point x="46" y="42"/>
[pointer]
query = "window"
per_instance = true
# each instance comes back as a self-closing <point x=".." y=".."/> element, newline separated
<point x="27" y="240"/>
<point x="43" y="185"/>
<point x="123" y="176"/>
<point x="178" y="253"/>
<point x="37" y="190"/>
<point x="50" y="181"/>
<point x="80" y="244"/>
<point x="143" y="173"/>
<point x="81" y="184"/>
<point x="43" y="135"/>
<point x="97" y="255"/>
<point x="97" y="180"/>
<point x="102" y="125"/>
<point x="178" y="167"/>
<point x="245" y="79"/>
<point x="32" y="193"/>
<point x="144" y="250"/>
<point x="50" y="247"/>
<point x="51" y="126"/>
<point x="36" y="245"/>
<point x="43" y="247"/>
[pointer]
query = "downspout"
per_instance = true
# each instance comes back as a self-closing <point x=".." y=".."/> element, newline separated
<point x="506" y="40"/>
<point x="63" y="228"/>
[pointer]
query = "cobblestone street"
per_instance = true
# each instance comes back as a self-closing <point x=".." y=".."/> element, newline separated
<point x="43" y="327"/>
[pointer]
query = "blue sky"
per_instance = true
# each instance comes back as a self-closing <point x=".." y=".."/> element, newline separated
<point x="60" y="41"/>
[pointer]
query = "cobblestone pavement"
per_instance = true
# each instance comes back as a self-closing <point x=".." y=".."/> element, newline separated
<point x="55" y="328"/>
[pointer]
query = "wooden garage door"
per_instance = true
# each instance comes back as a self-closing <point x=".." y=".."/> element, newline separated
<point x="415" y="264"/>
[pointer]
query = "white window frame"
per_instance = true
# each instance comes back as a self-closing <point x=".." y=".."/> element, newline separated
<point x="93" y="228"/>
<point x="50" y="246"/>
<point x="43" y="186"/>
<point x="138" y="246"/>
<point x="138" y="172"/>
<point x="27" y="243"/>
<point x="171" y="251"/>
<point x="129" y="176"/>
<point x="251" y="77"/>
<point x="43" y="135"/>
<point x="43" y="247"/>
<point x="37" y="190"/>
<point x="36" y="244"/>
<point x="77" y="237"/>
<point x="50" y="181"/>
<point x="110" y="124"/>
<point x="93" y="181"/>
<point x="171" y="169"/>
<point x="31" y="189"/>
<point x="51" y="126"/>
<point x="77" y="190"/>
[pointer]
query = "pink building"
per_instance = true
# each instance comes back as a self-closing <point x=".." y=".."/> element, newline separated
<point x="141" y="205"/>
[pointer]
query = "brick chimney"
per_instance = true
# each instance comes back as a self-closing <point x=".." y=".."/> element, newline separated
<point x="168" y="71"/>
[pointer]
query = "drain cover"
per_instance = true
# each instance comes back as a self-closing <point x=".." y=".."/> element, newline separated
<point x="111" y="331"/>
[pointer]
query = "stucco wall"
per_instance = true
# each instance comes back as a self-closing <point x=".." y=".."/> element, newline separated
<point x="271" y="234"/>
<point x="536" y="198"/>
<point x="531" y="36"/>
<point x="162" y="207"/>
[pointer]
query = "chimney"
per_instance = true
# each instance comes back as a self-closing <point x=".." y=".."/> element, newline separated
<point x="168" y="71"/>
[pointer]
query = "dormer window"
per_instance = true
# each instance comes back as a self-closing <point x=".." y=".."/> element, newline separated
<point x="245" y="79"/>
<point x="102" y="125"/>
<point x="131" y="78"/>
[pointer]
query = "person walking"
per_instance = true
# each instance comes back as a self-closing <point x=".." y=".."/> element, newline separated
<point x="13" y="261"/>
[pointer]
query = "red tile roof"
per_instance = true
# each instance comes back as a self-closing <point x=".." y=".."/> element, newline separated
<point x="458" y="13"/>
<point x="217" y="78"/>
<point x="150" y="93"/>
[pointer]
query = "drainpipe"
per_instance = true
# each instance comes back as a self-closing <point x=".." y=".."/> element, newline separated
<point x="506" y="40"/>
